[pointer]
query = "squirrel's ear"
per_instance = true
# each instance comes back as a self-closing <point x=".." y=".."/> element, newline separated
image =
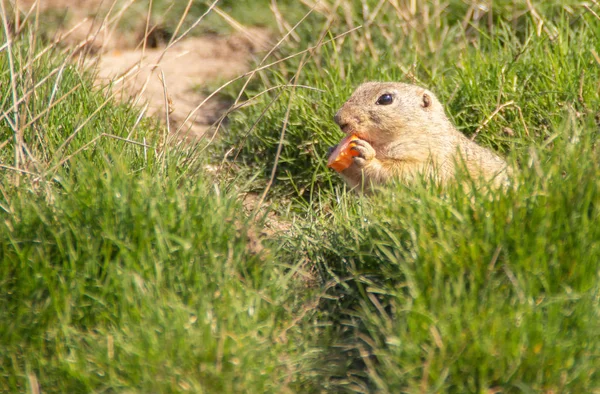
<point x="426" y="100"/>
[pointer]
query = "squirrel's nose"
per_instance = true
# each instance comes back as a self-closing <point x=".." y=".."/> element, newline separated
<point x="342" y="122"/>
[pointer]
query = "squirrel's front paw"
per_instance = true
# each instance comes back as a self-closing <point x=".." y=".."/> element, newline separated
<point x="365" y="151"/>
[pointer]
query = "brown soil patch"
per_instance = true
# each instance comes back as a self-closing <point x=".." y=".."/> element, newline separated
<point x="187" y="66"/>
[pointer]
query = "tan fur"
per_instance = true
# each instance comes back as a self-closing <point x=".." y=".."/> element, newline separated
<point x="408" y="138"/>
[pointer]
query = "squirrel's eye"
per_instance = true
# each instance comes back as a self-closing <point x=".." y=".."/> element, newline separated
<point x="385" y="99"/>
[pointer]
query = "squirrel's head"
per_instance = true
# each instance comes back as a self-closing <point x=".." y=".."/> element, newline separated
<point x="379" y="112"/>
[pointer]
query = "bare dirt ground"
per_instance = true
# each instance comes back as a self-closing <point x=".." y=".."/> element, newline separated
<point x="186" y="66"/>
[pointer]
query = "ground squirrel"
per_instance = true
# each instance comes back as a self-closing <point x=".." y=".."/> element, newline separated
<point x="403" y="131"/>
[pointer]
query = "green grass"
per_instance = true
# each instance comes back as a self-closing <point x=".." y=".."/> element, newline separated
<point x="125" y="282"/>
<point x="123" y="266"/>
<point x="437" y="290"/>
<point x="250" y="13"/>
<point x="127" y="268"/>
<point x="455" y="293"/>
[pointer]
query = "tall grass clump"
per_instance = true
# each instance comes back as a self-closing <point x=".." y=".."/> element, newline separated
<point x="450" y="291"/>
<point x="127" y="282"/>
<point x="445" y="290"/>
<point x="123" y="266"/>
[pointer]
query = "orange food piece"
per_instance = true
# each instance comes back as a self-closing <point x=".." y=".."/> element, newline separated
<point x="341" y="157"/>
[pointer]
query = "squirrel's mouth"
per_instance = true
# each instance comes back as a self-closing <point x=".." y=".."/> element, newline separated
<point x="360" y="135"/>
<point x="351" y="129"/>
<point x="347" y="128"/>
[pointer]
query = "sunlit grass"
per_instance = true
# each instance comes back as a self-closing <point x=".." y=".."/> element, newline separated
<point x="126" y="267"/>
